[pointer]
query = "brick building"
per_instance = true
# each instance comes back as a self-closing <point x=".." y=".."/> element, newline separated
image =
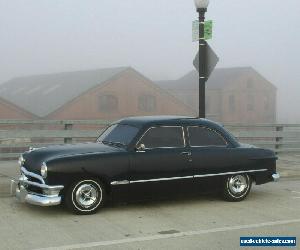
<point x="106" y="94"/>
<point x="234" y="95"/>
<point x="9" y="110"/>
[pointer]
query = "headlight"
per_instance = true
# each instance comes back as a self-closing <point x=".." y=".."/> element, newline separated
<point x="44" y="170"/>
<point x="21" y="160"/>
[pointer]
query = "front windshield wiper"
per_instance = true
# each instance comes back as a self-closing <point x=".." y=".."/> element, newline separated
<point x="117" y="144"/>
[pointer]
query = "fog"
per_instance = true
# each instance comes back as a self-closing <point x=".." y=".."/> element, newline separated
<point x="154" y="37"/>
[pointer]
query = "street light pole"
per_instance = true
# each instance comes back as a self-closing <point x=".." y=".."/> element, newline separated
<point x="201" y="6"/>
<point x="202" y="62"/>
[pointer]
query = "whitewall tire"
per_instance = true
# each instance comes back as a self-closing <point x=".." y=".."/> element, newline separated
<point x="85" y="196"/>
<point x="236" y="187"/>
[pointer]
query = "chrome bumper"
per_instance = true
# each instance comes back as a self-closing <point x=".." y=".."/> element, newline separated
<point x="49" y="195"/>
<point x="276" y="177"/>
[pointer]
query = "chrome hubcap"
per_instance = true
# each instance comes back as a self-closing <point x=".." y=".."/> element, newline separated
<point x="237" y="184"/>
<point x="86" y="195"/>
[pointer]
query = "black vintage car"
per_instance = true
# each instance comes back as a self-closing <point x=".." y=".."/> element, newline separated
<point x="143" y="155"/>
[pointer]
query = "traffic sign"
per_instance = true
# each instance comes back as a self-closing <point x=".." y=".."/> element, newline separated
<point x="211" y="61"/>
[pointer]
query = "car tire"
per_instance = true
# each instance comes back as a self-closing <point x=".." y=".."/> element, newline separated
<point x="236" y="187"/>
<point x="85" y="196"/>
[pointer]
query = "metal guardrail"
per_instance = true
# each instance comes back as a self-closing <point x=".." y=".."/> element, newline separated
<point x="17" y="135"/>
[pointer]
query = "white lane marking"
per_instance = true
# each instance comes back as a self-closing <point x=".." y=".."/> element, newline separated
<point x="169" y="236"/>
<point x="295" y="197"/>
<point x="296" y="192"/>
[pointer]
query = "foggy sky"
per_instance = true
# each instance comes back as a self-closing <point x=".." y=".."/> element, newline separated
<point x="45" y="36"/>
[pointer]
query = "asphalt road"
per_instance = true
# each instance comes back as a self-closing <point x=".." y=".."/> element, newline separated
<point x="197" y="222"/>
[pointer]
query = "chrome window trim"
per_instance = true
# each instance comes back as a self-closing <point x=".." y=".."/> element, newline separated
<point x="207" y="146"/>
<point x="183" y="134"/>
<point x="175" y="126"/>
<point x="187" y="177"/>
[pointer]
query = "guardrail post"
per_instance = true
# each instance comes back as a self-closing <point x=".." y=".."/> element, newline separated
<point x="278" y="139"/>
<point x="68" y="139"/>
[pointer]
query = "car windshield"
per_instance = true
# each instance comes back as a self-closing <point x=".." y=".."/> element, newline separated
<point x="118" y="135"/>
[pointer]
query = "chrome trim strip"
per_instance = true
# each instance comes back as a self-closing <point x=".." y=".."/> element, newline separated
<point x="186" y="177"/>
<point x="26" y="172"/>
<point x="119" y="182"/>
<point x="228" y="173"/>
<point x="210" y="146"/>
<point x="163" y="179"/>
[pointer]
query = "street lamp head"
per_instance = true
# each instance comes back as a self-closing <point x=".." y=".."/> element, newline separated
<point x="201" y="4"/>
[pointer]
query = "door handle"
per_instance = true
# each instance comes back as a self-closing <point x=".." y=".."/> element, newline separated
<point x="186" y="153"/>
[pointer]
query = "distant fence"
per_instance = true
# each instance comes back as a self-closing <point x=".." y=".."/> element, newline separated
<point x="16" y="136"/>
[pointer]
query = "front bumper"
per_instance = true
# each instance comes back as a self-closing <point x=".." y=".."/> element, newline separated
<point x="43" y="195"/>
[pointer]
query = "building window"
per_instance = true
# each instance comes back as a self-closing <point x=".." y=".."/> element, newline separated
<point x="147" y="103"/>
<point x="108" y="103"/>
<point x="250" y="104"/>
<point x="231" y="103"/>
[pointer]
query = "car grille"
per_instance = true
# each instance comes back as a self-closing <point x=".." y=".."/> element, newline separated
<point x="33" y="179"/>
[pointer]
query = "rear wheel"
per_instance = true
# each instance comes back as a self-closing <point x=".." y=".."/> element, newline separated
<point x="85" y="196"/>
<point x="236" y="187"/>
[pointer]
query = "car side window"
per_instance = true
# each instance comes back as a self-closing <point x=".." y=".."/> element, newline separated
<point x="163" y="137"/>
<point x="203" y="136"/>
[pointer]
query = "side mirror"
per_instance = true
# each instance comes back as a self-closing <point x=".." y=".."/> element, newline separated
<point x="140" y="148"/>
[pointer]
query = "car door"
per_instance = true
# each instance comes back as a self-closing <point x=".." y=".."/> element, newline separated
<point x="162" y="164"/>
<point x="212" y="155"/>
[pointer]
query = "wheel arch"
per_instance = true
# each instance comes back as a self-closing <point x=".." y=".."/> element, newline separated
<point x="75" y="177"/>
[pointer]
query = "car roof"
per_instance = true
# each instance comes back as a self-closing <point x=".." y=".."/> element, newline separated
<point x="141" y="121"/>
<point x="148" y="121"/>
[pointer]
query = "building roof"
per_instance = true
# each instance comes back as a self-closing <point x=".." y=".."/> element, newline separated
<point x="43" y="94"/>
<point x="219" y="78"/>
<point x="14" y="108"/>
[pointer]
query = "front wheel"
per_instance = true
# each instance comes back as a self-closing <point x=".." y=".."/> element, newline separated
<point x="236" y="187"/>
<point x="85" y="196"/>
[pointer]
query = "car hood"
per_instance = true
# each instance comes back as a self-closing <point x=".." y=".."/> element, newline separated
<point x="35" y="157"/>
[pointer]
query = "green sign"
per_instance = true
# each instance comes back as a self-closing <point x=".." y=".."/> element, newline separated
<point x="208" y="25"/>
